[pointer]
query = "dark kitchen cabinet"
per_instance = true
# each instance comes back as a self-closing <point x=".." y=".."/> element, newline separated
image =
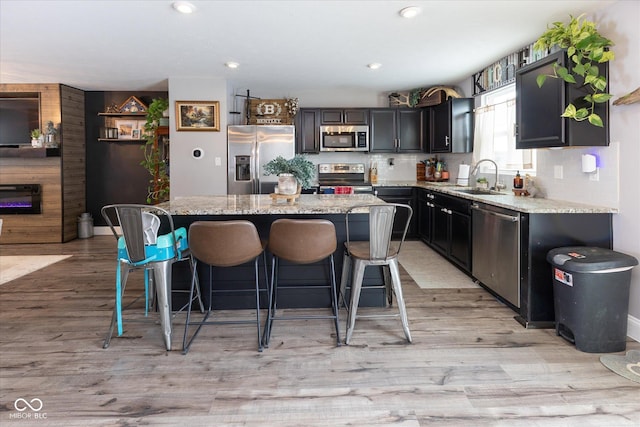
<point x="451" y="229"/>
<point x="452" y="126"/>
<point x="538" y="109"/>
<point x="308" y="131"/>
<point x="424" y="220"/>
<point x="336" y="116"/>
<point x="405" y="196"/>
<point x="397" y="130"/>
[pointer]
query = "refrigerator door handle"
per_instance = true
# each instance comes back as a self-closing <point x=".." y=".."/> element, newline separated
<point x="255" y="173"/>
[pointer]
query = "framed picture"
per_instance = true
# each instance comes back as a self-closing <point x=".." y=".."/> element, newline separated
<point x="136" y="134"/>
<point x="198" y="116"/>
<point x="126" y="128"/>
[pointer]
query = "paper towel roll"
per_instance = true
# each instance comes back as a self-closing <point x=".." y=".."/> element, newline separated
<point x="463" y="171"/>
<point x="463" y="175"/>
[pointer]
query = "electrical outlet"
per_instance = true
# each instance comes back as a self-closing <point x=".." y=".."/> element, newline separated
<point x="595" y="176"/>
<point x="218" y="161"/>
<point x="557" y="171"/>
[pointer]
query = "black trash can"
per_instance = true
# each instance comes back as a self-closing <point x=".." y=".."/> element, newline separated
<point x="591" y="296"/>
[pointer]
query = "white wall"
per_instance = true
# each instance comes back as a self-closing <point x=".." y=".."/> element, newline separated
<point x="190" y="176"/>
<point x="620" y="23"/>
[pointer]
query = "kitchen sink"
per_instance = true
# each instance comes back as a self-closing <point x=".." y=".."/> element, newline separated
<point x="481" y="192"/>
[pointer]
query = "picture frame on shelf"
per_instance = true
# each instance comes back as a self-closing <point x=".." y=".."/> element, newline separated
<point x="198" y="116"/>
<point x="136" y="134"/>
<point x="126" y="128"/>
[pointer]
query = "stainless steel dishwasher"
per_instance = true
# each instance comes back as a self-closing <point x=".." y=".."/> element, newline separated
<point x="496" y="250"/>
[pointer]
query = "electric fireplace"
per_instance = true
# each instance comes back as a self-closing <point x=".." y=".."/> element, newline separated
<point x="20" y="199"/>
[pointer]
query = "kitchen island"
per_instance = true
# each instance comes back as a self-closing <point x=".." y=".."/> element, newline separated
<point x="299" y="285"/>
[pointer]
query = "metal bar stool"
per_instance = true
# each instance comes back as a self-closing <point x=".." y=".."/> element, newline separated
<point x="301" y="241"/>
<point x="222" y="244"/>
<point x="379" y="250"/>
<point x="139" y="247"/>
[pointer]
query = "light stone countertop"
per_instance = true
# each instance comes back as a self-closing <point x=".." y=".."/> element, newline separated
<point x="508" y="200"/>
<point x="262" y="204"/>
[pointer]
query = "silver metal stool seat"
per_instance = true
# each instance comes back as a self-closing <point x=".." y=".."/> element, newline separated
<point x="222" y="244"/>
<point x="301" y="241"/>
<point x="379" y="250"/>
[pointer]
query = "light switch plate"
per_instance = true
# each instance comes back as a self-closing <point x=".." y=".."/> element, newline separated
<point x="557" y="171"/>
<point x="218" y="161"/>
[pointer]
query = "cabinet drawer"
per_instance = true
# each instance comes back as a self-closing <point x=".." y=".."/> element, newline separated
<point x="395" y="191"/>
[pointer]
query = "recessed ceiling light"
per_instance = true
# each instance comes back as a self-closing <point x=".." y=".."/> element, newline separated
<point x="374" y="65"/>
<point x="410" y="12"/>
<point x="183" y="6"/>
<point x="231" y="64"/>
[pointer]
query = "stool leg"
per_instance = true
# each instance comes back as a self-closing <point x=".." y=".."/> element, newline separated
<point x="346" y="271"/>
<point x="334" y="300"/>
<point x="162" y="274"/>
<point x="258" y="305"/>
<point x="356" y="287"/>
<point x="397" y="287"/>
<point x="272" y="297"/>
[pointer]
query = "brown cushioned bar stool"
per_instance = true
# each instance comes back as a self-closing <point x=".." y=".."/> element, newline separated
<point x="223" y="244"/>
<point x="301" y="241"/>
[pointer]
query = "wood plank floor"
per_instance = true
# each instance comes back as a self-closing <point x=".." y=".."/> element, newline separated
<point x="470" y="364"/>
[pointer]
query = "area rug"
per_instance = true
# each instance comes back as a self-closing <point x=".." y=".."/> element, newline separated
<point x="430" y="270"/>
<point x="13" y="267"/>
<point x="627" y="366"/>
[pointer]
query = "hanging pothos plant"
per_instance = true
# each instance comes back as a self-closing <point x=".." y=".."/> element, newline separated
<point x="154" y="162"/>
<point x="585" y="48"/>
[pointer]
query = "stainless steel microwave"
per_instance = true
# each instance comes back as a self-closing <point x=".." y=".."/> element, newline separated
<point x="344" y="138"/>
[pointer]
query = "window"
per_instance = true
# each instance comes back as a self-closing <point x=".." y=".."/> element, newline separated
<point x="494" y="138"/>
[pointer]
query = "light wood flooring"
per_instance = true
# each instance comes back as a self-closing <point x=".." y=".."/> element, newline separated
<point x="470" y="364"/>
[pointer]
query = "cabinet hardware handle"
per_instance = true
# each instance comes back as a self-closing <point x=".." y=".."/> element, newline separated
<point x="515" y="129"/>
<point x="446" y="141"/>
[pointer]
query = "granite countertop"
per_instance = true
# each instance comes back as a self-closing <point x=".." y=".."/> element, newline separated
<point x="262" y="204"/>
<point x="508" y="200"/>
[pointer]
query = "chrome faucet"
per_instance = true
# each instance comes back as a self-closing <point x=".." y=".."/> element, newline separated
<point x="477" y="167"/>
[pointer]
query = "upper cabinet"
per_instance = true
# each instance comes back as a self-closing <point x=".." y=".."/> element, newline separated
<point x="308" y="131"/>
<point x="397" y="130"/>
<point x="338" y="116"/>
<point x="538" y="109"/>
<point x="452" y="126"/>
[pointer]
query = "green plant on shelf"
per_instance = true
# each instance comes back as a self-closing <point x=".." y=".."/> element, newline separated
<point x="586" y="48"/>
<point x="154" y="161"/>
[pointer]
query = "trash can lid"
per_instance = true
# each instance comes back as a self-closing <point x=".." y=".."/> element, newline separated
<point x="589" y="259"/>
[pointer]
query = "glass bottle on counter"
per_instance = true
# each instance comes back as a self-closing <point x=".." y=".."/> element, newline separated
<point x="517" y="181"/>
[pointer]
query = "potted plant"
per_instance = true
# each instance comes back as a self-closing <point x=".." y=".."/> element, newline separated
<point x="37" y="140"/>
<point x="154" y="159"/>
<point x="299" y="166"/>
<point x="585" y="48"/>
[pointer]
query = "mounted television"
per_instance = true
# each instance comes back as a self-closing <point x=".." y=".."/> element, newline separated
<point x="19" y="114"/>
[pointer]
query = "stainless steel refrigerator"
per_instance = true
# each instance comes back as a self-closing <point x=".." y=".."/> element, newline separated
<point x="249" y="149"/>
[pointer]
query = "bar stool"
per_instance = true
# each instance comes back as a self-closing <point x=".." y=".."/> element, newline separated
<point x="301" y="241"/>
<point x="379" y="251"/>
<point x="222" y="244"/>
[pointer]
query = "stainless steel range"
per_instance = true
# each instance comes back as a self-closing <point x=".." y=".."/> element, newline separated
<point x="343" y="176"/>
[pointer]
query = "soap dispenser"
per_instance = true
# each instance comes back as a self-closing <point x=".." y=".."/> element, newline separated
<point x="517" y="181"/>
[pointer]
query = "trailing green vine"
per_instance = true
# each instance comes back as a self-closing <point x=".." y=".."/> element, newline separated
<point x="154" y="163"/>
<point x="585" y="48"/>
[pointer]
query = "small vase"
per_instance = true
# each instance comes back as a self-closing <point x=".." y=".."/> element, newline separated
<point x="287" y="184"/>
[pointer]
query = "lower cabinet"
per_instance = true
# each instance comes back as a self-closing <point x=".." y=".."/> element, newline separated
<point x="444" y="223"/>
<point x="451" y="229"/>
<point x="405" y="196"/>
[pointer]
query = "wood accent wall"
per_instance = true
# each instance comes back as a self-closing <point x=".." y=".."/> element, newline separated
<point x="73" y="160"/>
<point x="62" y="178"/>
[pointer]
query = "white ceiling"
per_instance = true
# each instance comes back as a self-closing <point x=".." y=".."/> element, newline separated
<point x="288" y="46"/>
